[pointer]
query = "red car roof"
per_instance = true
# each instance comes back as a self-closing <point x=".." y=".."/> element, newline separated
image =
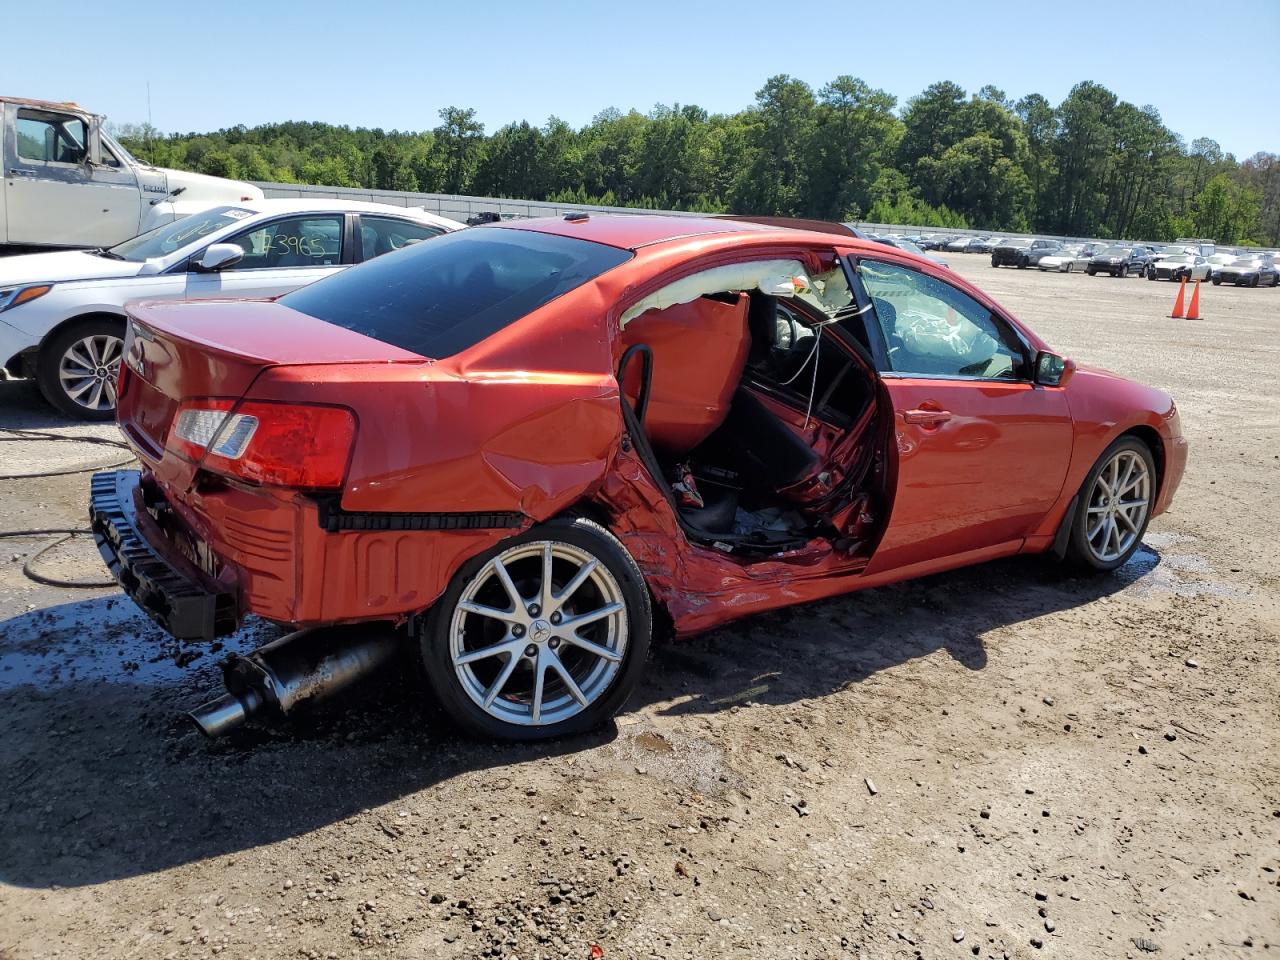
<point x="627" y="231"/>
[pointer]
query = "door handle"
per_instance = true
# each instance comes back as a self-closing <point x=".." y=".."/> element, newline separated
<point x="930" y="418"/>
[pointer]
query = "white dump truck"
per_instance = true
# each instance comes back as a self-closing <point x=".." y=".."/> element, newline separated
<point x="68" y="184"/>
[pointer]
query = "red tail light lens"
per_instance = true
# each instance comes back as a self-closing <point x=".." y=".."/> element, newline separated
<point x="280" y="444"/>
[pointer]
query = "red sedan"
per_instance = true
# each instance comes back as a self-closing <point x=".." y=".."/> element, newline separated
<point x="531" y="445"/>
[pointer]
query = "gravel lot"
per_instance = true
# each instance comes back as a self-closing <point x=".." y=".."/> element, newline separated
<point x="999" y="762"/>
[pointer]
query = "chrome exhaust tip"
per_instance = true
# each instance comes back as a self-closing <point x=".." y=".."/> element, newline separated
<point x="219" y="716"/>
<point x="309" y="665"/>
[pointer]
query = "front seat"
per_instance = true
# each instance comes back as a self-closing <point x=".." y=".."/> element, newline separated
<point x="767" y="454"/>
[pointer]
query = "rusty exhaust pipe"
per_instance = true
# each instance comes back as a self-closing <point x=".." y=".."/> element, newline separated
<point x="308" y="665"/>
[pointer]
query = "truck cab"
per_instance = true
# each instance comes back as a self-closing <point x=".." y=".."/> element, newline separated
<point x="68" y="184"/>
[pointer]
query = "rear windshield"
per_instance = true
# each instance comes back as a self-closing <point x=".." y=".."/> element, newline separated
<point x="447" y="294"/>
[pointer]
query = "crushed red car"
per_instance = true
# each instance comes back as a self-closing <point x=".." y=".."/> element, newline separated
<point x="530" y="446"/>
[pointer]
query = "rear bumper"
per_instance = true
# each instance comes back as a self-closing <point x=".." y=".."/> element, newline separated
<point x="167" y="586"/>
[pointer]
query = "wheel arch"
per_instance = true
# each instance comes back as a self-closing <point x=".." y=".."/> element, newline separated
<point x="86" y="316"/>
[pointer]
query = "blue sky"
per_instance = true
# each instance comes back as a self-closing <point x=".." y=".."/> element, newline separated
<point x="1210" y="69"/>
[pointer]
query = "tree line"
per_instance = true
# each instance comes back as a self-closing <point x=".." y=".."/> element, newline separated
<point x="1094" y="165"/>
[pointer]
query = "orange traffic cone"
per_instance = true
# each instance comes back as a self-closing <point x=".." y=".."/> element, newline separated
<point x="1193" y="311"/>
<point x="1177" y="304"/>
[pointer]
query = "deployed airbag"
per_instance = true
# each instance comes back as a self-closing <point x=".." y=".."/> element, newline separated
<point x="699" y="352"/>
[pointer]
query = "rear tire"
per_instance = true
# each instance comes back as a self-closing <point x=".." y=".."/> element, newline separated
<point x="1113" y="507"/>
<point x="548" y="679"/>
<point x="77" y="368"/>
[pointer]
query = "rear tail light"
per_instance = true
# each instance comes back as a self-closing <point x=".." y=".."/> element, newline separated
<point x="280" y="444"/>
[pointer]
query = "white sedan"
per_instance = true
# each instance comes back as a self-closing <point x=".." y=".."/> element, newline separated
<point x="62" y="314"/>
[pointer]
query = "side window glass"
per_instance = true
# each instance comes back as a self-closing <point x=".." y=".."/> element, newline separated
<point x="108" y="158"/>
<point x="932" y="329"/>
<point x="296" y="242"/>
<point x="51" y="137"/>
<point x="381" y="235"/>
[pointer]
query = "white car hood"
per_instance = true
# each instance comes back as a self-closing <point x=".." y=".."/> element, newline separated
<point x="62" y="266"/>
<point x="209" y="191"/>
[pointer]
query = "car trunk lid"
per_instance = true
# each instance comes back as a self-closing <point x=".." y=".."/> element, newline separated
<point x="217" y="349"/>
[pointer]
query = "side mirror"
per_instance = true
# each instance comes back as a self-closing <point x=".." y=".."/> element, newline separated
<point x="1053" y="370"/>
<point x="219" y="256"/>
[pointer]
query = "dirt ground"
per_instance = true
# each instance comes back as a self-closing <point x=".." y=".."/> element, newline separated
<point x="999" y="762"/>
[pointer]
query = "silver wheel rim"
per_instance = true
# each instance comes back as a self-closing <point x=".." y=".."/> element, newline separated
<point x="89" y="369"/>
<point x="1118" y="505"/>
<point x="539" y="634"/>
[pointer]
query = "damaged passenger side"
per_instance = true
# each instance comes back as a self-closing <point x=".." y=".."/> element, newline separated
<point x="753" y="409"/>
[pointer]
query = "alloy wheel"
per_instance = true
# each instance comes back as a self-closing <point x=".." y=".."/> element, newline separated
<point x="1118" y="505"/>
<point x="539" y="633"/>
<point x="89" y="369"/>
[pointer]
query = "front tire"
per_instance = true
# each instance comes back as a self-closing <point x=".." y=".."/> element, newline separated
<point x="1124" y="272"/>
<point x="1114" y="507"/>
<point x="545" y="635"/>
<point x="78" y="368"/>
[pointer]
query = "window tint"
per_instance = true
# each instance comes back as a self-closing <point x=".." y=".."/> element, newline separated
<point x="437" y="298"/>
<point x="932" y="329"/>
<point x="51" y="137"/>
<point x="295" y="242"/>
<point x="379" y="235"/>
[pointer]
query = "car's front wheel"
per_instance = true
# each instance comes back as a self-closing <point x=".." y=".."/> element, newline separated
<point x="78" y="368"/>
<point x="543" y="636"/>
<point x="1114" y="507"/>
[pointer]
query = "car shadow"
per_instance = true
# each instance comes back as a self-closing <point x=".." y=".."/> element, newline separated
<point x="101" y="777"/>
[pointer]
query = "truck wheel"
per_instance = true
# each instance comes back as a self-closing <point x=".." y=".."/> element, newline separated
<point x="1114" y="507"/>
<point x="543" y="636"/>
<point x="77" y="368"/>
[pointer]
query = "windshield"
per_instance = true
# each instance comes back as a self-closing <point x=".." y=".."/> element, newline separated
<point x="163" y="241"/>
<point x="1115" y="252"/>
<point x="1178" y="258"/>
<point x="1244" y="261"/>
<point x="1017" y="243"/>
<point x="438" y="298"/>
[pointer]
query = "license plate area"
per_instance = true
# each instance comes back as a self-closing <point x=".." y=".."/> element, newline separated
<point x="179" y="535"/>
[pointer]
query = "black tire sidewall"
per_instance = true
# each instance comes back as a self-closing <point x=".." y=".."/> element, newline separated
<point x="438" y="664"/>
<point x="1078" y="551"/>
<point x="50" y="360"/>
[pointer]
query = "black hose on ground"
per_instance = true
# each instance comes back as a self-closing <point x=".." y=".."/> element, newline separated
<point x="64" y="533"/>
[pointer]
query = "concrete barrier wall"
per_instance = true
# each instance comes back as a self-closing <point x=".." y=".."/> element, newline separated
<point x="455" y="206"/>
